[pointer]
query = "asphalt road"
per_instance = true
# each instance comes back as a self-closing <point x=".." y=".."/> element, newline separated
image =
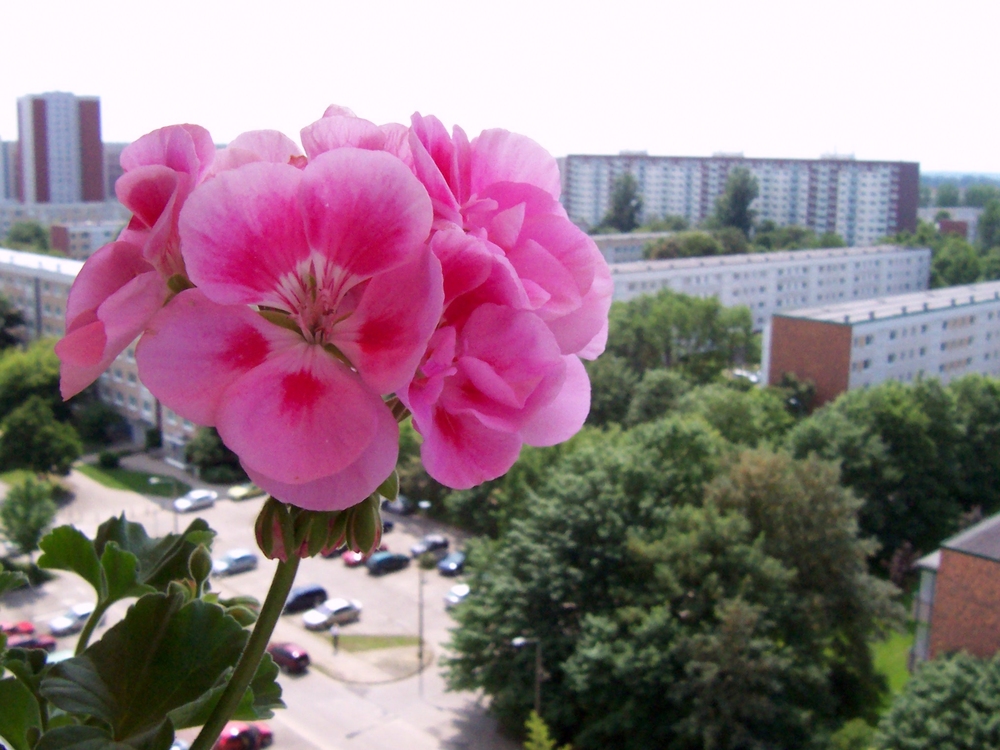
<point x="324" y="713"/>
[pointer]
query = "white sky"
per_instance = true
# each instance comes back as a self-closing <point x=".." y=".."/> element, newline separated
<point x="880" y="79"/>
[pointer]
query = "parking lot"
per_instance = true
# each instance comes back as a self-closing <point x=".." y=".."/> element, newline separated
<point x="373" y="700"/>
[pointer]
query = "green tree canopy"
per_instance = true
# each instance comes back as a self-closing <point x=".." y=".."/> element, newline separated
<point x="656" y="395"/>
<point x="981" y="193"/>
<point x="31" y="372"/>
<point x="626" y="204"/>
<point x="26" y="514"/>
<point x="31" y="438"/>
<point x="748" y="418"/>
<point x="612" y="385"/>
<point x="215" y="461"/>
<point x="732" y="209"/>
<point x="11" y="324"/>
<point x="989" y="225"/>
<point x="683" y="245"/>
<point x="28" y="235"/>
<point x="668" y="223"/>
<point x="957" y="262"/>
<point x="947" y="195"/>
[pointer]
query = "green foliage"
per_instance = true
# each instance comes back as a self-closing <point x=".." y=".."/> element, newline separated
<point x="137" y="481"/>
<point x="11" y="324"/>
<point x="626" y="204"/>
<point x="732" y="209"/>
<point x="981" y="193"/>
<point x="10" y="580"/>
<point x="98" y="423"/>
<point x="26" y="513"/>
<point x="656" y="395"/>
<point x="28" y="235"/>
<point x="747" y="418"/>
<point x="951" y="703"/>
<point x="215" y="462"/>
<point x="947" y="195"/>
<point x="154" y="439"/>
<point x="668" y="223"/>
<point x="696" y="335"/>
<point x="857" y="734"/>
<point x="957" y="262"/>
<point x="683" y="245"/>
<point x="31" y="372"/>
<point x="32" y="438"/>
<point x="108" y="460"/>
<point x="769" y="236"/>
<point x="538" y="734"/>
<point x="612" y="383"/>
<point x="989" y="225"/>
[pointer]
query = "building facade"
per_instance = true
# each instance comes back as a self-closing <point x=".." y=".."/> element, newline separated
<point x="60" y="154"/>
<point x="626" y="248"/>
<point x="774" y="282"/>
<point x="8" y="158"/>
<point x="862" y="201"/>
<point x="958" y="605"/>
<point x="82" y="239"/>
<point x="39" y="286"/>
<point x="942" y="333"/>
<point x="61" y="213"/>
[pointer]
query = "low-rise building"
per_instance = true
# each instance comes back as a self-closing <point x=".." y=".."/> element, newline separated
<point x="779" y="281"/>
<point x="958" y="604"/>
<point x="626" y="248"/>
<point x="83" y="239"/>
<point x="47" y="214"/>
<point x="943" y="333"/>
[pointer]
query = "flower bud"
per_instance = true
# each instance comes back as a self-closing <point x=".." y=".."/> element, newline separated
<point x="364" y="531"/>
<point x="200" y="565"/>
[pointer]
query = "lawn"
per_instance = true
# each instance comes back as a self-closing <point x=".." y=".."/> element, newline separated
<point x="137" y="481"/>
<point x="891" y="656"/>
<point x="372" y="642"/>
<point x="16" y="476"/>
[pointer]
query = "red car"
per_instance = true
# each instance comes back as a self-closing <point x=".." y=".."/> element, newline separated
<point x="17" y="628"/>
<point x="46" y="642"/>
<point x="289" y="657"/>
<point x="241" y="735"/>
<point x="353" y="559"/>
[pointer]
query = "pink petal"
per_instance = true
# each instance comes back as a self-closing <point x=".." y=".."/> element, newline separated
<point x="397" y="142"/>
<point x="386" y="335"/>
<point x="364" y="210"/>
<point x="502" y="156"/>
<point x="460" y="452"/>
<point x="256" y="145"/>
<point x="155" y="195"/>
<point x="585" y="330"/>
<point x="429" y="172"/>
<point x="349" y="486"/>
<point x="184" y="148"/>
<point x="241" y="234"/>
<point x="563" y="417"/>
<point x="194" y="349"/>
<point x="334" y="131"/>
<point x="299" y="416"/>
<point x="335" y="110"/>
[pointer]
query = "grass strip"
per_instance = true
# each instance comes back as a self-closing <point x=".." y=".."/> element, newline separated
<point x="137" y="481"/>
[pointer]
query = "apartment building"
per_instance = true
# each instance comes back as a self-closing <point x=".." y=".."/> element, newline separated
<point x="943" y="333"/>
<point x="39" y="285"/>
<point x="862" y="201"/>
<point x="774" y="282"/>
<point x="47" y="214"/>
<point x="82" y="239"/>
<point x="625" y="248"/>
<point x="8" y="159"/>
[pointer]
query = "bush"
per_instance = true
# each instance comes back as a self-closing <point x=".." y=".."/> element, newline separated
<point x="36" y="576"/>
<point x="224" y="474"/>
<point x="109" y="460"/>
<point x="99" y="424"/>
<point x="154" y="439"/>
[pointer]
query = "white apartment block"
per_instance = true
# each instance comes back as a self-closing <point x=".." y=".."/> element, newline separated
<point x="39" y="286"/>
<point x="624" y="248"/>
<point x="942" y="333"/>
<point x="770" y="283"/>
<point x="862" y="201"/>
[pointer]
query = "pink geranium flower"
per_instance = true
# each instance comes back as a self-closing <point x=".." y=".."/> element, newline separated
<point x="345" y="295"/>
<point x="124" y="283"/>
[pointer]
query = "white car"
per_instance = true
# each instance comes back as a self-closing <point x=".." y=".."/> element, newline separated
<point x="73" y="621"/>
<point x="330" y="612"/>
<point x="456" y="595"/>
<point x="195" y="500"/>
<point x="233" y="562"/>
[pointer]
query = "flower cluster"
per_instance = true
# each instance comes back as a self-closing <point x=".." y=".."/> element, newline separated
<point x="283" y="297"/>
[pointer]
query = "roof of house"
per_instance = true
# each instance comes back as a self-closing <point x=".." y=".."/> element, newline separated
<point x="981" y="540"/>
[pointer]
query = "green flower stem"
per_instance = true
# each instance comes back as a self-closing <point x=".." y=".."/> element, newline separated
<point x="281" y="584"/>
<point x="88" y="628"/>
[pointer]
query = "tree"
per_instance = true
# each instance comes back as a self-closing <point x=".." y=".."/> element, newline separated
<point x="732" y="209"/>
<point x="28" y="235"/>
<point x="626" y="204"/>
<point x="612" y="385"/>
<point x="977" y="418"/>
<point x="947" y="195"/>
<point x="957" y="262"/>
<point x="951" y="703"/>
<point x="31" y="372"/>
<point x="215" y="461"/>
<point x="667" y="223"/>
<point x="656" y="395"/>
<point x="26" y="514"/>
<point x="32" y="439"/>
<point x="11" y="324"/>
<point x="747" y="418"/>
<point x="989" y="225"/>
<point x="538" y="734"/>
<point x="980" y="194"/>
<point x="683" y="245"/>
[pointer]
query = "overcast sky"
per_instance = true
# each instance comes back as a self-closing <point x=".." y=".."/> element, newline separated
<point x="878" y="79"/>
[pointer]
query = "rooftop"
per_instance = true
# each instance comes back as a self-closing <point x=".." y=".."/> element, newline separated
<point x="981" y="540"/>
<point x="35" y="262"/>
<point x="775" y="258"/>
<point x="912" y="303"/>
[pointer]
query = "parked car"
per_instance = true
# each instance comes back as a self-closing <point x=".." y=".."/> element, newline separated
<point x="332" y="612"/>
<point x="233" y="562"/>
<point x="388" y="525"/>
<point x="244" y="491"/>
<point x="195" y="500"/>
<point x="386" y="562"/>
<point x="289" y="657"/>
<point x="44" y="642"/>
<point x="305" y="597"/>
<point x="17" y="628"/>
<point x="452" y="564"/>
<point x="401" y="506"/>
<point x="430" y="543"/>
<point x="73" y="621"/>
<point x="456" y="595"/>
<point x="353" y="559"/>
<point x="242" y="735"/>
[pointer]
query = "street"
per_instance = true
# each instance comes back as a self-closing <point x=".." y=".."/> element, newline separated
<point x="377" y="699"/>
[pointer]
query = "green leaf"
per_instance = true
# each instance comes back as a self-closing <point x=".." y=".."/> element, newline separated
<point x="27" y="665"/>
<point x="262" y="696"/>
<point x="96" y="738"/>
<point x="389" y="489"/>
<point x="159" y="561"/>
<point x="10" y="580"/>
<point x="120" y="573"/>
<point x="20" y="713"/>
<point x="68" y="548"/>
<point x="163" y="655"/>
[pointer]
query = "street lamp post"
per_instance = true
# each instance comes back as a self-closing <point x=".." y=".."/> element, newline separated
<point x="521" y="642"/>
<point x="173" y="488"/>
